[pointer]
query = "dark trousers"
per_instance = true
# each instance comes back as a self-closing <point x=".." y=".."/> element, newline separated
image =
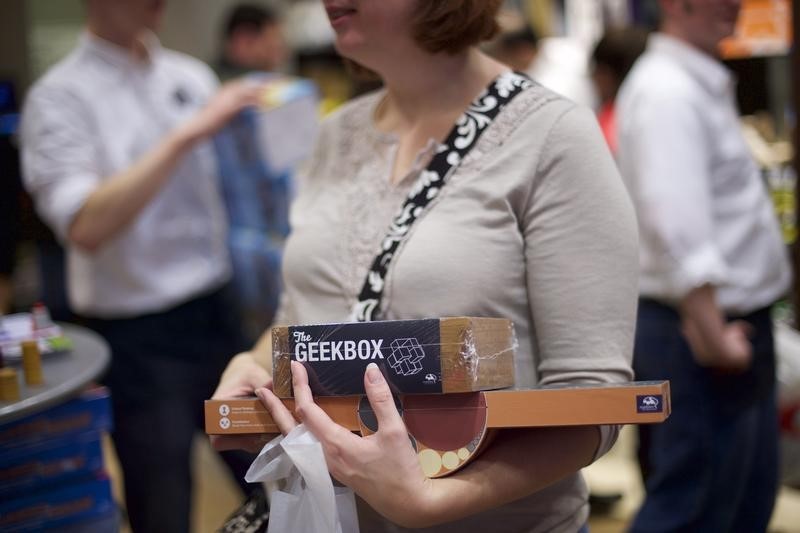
<point x="712" y="466"/>
<point x="163" y="367"/>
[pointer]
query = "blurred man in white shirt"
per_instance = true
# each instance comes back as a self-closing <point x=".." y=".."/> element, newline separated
<point x="115" y="154"/>
<point x="712" y="263"/>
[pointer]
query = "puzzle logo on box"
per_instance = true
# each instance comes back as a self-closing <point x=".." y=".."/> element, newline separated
<point x="652" y="403"/>
<point x="406" y="356"/>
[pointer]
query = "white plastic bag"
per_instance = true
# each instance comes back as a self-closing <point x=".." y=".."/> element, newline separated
<point x="308" y="502"/>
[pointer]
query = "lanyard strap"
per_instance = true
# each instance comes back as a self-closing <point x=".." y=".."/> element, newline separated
<point x="462" y="137"/>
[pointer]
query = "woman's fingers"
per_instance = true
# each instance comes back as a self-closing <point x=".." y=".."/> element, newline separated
<point x="381" y="399"/>
<point x="302" y="392"/>
<point x="309" y="412"/>
<point x="280" y="414"/>
<point x="241" y="377"/>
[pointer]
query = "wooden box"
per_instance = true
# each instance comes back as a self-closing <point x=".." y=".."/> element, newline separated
<point x="444" y="355"/>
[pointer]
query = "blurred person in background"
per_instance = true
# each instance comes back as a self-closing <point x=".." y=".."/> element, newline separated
<point x="10" y="193"/>
<point x="253" y="41"/>
<point x="612" y="59"/>
<point x="256" y="168"/>
<point x="516" y="48"/>
<point x="496" y="235"/>
<point x="562" y="65"/>
<point x="20" y="225"/>
<point x="115" y="155"/>
<point x="712" y="264"/>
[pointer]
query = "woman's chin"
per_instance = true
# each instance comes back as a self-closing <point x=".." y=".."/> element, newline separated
<point x="350" y="46"/>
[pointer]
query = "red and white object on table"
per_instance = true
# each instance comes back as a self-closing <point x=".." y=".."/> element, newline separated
<point x="36" y="325"/>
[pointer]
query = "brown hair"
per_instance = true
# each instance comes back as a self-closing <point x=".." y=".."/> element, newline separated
<point x="619" y="48"/>
<point x="444" y="26"/>
<point x="453" y="25"/>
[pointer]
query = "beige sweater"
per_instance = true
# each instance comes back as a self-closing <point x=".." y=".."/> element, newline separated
<point x="535" y="225"/>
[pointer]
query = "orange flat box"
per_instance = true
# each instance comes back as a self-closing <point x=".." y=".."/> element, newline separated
<point x="447" y="431"/>
<point x="640" y="402"/>
<point x="248" y="415"/>
<point x="627" y="403"/>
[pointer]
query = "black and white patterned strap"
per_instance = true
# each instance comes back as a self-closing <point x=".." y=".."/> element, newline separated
<point x="464" y="135"/>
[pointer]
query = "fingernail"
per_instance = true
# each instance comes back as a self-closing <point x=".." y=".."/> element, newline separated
<point x="373" y="374"/>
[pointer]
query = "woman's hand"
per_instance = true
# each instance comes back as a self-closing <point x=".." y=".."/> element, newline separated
<point x="381" y="468"/>
<point x="242" y="377"/>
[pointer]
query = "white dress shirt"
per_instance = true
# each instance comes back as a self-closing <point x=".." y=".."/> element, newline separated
<point x="93" y="115"/>
<point x="704" y="215"/>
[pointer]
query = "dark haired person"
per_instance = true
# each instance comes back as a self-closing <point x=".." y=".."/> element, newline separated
<point x="533" y="224"/>
<point x="115" y="155"/>
<point x="10" y="191"/>
<point x="517" y="48"/>
<point x="252" y="41"/>
<point x="612" y="59"/>
<point x="712" y="264"/>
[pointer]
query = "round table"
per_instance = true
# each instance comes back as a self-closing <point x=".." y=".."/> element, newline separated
<point x="65" y="374"/>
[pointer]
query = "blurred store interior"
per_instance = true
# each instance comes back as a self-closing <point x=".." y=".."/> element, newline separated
<point x="552" y="40"/>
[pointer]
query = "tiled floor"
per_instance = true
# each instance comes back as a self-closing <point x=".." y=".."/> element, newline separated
<point x="217" y="495"/>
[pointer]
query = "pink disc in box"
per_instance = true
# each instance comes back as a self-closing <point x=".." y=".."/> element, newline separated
<point x="446" y="430"/>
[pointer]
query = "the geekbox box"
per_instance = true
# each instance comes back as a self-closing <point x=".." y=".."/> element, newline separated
<point x="438" y="355"/>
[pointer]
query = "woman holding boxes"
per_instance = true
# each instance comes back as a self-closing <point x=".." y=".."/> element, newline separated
<point x="516" y="212"/>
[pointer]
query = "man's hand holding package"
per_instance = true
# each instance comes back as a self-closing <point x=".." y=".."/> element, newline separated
<point x="228" y="101"/>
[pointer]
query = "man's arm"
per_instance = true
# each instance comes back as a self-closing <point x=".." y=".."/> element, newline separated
<point x="117" y="201"/>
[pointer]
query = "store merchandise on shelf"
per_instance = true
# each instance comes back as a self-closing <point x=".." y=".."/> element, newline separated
<point x="52" y="470"/>
<point x="34" y="325"/>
